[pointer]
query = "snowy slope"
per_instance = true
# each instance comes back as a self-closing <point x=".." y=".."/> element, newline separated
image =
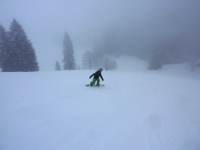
<point x="132" y="64"/>
<point x="135" y="110"/>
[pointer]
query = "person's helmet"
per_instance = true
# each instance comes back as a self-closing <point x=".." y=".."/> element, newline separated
<point x="100" y="69"/>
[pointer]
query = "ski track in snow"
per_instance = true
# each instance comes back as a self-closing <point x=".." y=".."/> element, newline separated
<point x="135" y="110"/>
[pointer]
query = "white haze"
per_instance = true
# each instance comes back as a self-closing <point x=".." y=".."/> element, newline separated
<point x="87" y="20"/>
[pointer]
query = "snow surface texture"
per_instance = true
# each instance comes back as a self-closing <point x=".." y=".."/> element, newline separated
<point x="136" y="110"/>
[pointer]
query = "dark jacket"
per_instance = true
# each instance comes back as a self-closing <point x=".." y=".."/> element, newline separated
<point x="97" y="75"/>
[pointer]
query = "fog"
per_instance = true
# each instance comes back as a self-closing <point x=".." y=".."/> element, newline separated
<point x="140" y="25"/>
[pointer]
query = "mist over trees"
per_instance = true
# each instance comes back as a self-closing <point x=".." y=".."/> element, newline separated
<point x="16" y="51"/>
<point x="88" y="60"/>
<point x="94" y="60"/>
<point x="68" y="53"/>
<point x="168" y="37"/>
<point x="109" y="63"/>
<point x="114" y="27"/>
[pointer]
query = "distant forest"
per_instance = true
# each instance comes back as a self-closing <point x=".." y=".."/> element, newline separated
<point x="18" y="54"/>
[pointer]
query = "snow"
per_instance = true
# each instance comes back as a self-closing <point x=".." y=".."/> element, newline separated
<point x="137" y="109"/>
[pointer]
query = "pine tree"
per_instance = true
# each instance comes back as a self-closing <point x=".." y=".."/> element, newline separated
<point x="57" y="66"/>
<point x="3" y="44"/>
<point x="68" y="53"/>
<point x="20" y="56"/>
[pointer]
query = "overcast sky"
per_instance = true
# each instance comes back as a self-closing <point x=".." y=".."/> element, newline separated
<point x="45" y="21"/>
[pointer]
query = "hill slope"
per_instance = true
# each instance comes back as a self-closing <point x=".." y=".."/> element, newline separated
<point x="135" y="110"/>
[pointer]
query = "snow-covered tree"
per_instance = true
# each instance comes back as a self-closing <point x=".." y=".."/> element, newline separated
<point x="20" y="55"/>
<point x="57" y="66"/>
<point x="68" y="53"/>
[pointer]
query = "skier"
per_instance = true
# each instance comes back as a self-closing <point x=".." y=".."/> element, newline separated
<point x="96" y="75"/>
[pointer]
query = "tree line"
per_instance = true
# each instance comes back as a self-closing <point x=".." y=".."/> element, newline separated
<point x="18" y="55"/>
